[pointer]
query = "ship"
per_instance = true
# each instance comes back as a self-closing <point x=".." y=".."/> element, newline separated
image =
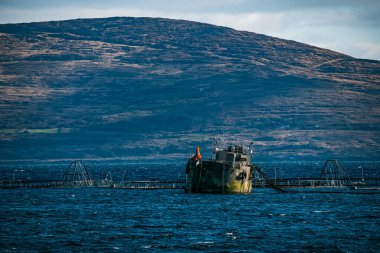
<point x="228" y="171"/>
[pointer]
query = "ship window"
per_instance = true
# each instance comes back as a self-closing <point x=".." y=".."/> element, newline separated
<point x="231" y="157"/>
<point x="221" y="156"/>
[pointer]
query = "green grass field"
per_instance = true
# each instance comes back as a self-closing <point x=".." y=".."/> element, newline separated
<point x="36" y="131"/>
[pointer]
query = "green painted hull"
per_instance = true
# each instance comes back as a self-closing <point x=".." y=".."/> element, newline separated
<point x="218" y="177"/>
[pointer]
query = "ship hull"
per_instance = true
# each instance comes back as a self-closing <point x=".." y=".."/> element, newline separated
<point x="218" y="177"/>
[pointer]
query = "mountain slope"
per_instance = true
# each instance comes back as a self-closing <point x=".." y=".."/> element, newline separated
<point x="125" y="87"/>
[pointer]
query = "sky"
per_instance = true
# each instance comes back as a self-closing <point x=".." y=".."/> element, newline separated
<point x="347" y="26"/>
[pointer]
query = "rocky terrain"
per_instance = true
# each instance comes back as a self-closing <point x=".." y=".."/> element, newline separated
<point x="124" y="88"/>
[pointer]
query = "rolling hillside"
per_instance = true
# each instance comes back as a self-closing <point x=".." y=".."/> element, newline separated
<point x="131" y="87"/>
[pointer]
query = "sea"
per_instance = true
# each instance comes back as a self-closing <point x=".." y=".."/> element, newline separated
<point x="121" y="220"/>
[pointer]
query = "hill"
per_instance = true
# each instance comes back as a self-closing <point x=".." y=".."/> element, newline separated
<point x="152" y="87"/>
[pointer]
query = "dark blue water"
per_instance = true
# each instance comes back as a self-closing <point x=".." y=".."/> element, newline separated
<point x="170" y="170"/>
<point x="115" y="220"/>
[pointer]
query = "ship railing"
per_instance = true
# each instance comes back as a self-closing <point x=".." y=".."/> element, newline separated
<point x="232" y="163"/>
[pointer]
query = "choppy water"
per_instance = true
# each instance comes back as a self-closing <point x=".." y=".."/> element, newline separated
<point x="115" y="220"/>
<point x="171" y="171"/>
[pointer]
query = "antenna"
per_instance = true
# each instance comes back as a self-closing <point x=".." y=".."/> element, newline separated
<point x="250" y="147"/>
